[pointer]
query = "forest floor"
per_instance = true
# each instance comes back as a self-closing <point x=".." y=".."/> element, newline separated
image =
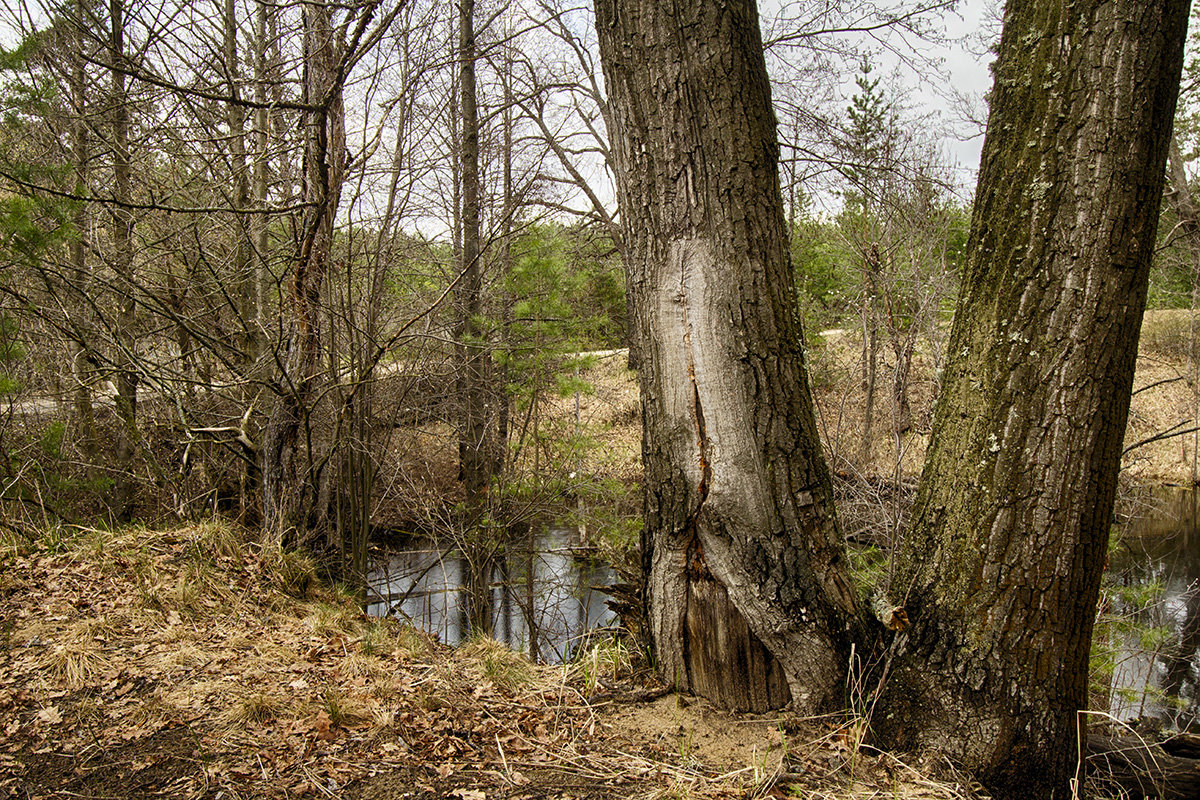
<point x="186" y="663"/>
<point x="195" y="662"/>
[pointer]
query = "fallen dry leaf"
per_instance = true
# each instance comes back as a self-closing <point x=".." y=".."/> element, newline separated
<point x="324" y="727"/>
<point x="50" y="715"/>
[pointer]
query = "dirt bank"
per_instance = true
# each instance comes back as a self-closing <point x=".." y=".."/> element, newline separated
<point x="188" y="664"/>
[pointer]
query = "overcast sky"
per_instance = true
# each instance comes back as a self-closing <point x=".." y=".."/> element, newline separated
<point x="966" y="64"/>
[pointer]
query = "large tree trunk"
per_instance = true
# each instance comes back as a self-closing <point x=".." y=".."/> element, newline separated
<point x="1000" y="574"/>
<point x="741" y="544"/>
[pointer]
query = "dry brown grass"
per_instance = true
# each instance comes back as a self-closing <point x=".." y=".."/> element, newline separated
<point x="257" y="708"/>
<point x="263" y="694"/>
<point x="75" y="662"/>
<point x="1168" y="396"/>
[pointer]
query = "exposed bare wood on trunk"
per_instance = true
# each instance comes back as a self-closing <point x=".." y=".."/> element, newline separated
<point x="740" y="525"/>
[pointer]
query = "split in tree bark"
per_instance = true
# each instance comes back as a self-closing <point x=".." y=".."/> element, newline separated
<point x="1001" y="574"/>
<point x="741" y="545"/>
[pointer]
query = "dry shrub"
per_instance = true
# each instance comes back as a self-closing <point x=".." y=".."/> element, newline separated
<point x="1170" y="333"/>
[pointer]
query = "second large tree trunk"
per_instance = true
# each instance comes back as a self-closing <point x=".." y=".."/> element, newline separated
<point x="741" y="545"/>
<point x="1001" y="572"/>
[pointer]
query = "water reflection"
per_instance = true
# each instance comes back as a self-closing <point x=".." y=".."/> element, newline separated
<point x="1154" y="588"/>
<point x="539" y="597"/>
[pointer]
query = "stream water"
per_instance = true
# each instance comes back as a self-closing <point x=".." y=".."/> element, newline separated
<point x="1151" y="631"/>
<point x="541" y="596"/>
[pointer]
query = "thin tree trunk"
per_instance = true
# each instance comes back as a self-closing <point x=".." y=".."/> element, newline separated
<point x="259" y="176"/>
<point x="81" y="367"/>
<point x="902" y="350"/>
<point x="508" y="212"/>
<point x="245" y="289"/>
<point x="122" y="259"/>
<point x="473" y="436"/>
<point x="870" y="372"/>
<point x="291" y="497"/>
<point x="1000" y="573"/>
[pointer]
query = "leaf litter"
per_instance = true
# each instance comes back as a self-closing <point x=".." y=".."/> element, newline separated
<point x="144" y="663"/>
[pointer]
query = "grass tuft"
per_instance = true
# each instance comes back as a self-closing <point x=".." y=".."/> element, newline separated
<point x="292" y="572"/>
<point x="605" y="660"/>
<point x="76" y="662"/>
<point x="507" y="670"/>
<point x="343" y="710"/>
<point x="329" y="619"/>
<point x="220" y="539"/>
<point x="411" y="642"/>
<point x="256" y="709"/>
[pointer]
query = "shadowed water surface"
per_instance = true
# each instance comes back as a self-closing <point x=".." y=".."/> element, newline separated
<point x="541" y="596"/>
<point x="1152" y="629"/>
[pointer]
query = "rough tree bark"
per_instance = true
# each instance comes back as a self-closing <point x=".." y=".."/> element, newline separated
<point x="741" y="544"/>
<point x="1000" y="576"/>
<point x="476" y="439"/>
<point x="476" y="442"/>
<point x="1000" y="573"/>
